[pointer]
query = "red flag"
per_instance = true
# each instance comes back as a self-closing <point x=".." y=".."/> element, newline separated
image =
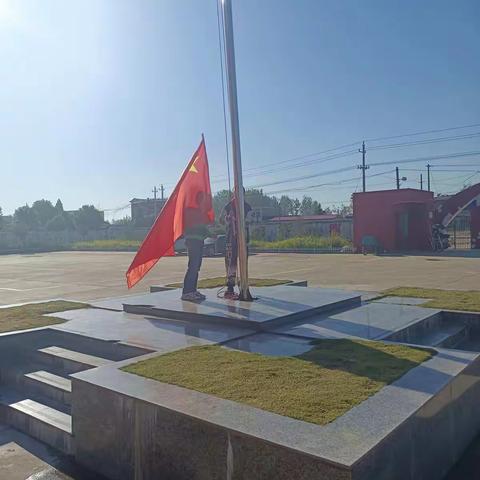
<point x="172" y="222"/>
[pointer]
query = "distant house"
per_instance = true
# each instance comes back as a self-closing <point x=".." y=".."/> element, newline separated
<point x="262" y="214"/>
<point x="144" y="209"/>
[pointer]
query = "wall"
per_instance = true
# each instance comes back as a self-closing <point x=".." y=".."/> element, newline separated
<point x="375" y="213"/>
<point x="125" y="438"/>
<point x="41" y="239"/>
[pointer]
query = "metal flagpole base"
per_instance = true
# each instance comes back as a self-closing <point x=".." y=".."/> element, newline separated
<point x="246" y="296"/>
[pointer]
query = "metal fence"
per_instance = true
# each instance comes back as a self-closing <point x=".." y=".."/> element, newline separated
<point x="459" y="230"/>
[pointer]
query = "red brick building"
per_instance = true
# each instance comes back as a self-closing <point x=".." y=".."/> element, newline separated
<point x="395" y="219"/>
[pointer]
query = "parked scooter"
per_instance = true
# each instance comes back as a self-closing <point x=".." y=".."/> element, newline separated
<point x="440" y="238"/>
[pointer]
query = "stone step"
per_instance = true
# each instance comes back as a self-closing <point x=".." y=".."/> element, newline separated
<point x="38" y="420"/>
<point x="445" y="335"/>
<point x="458" y="333"/>
<point x="70" y="361"/>
<point x="49" y="385"/>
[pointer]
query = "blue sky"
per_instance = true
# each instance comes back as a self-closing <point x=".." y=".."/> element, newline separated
<point x="103" y="99"/>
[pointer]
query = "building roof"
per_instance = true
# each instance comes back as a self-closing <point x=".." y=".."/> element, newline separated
<point x="394" y="191"/>
<point x="307" y="218"/>
<point x="141" y="200"/>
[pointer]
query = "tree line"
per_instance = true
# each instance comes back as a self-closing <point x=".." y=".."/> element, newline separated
<point x="43" y="215"/>
<point x="282" y="206"/>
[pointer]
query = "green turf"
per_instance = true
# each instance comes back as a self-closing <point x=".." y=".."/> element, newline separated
<point x="317" y="386"/>
<point x="304" y="242"/>
<point x="31" y="315"/>
<point x="442" y="299"/>
<point x="217" y="282"/>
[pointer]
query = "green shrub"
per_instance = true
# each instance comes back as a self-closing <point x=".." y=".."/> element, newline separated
<point x="309" y="241"/>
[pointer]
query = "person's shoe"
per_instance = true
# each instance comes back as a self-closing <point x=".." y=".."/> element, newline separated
<point x="190" y="297"/>
<point x="199" y="296"/>
<point x="231" y="296"/>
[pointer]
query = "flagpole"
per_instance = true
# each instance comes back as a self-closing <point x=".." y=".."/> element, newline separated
<point x="236" y="153"/>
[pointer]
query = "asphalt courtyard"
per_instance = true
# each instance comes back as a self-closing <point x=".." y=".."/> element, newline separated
<point x="92" y="275"/>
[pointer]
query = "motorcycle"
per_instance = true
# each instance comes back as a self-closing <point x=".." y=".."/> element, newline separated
<point x="440" y="238"/>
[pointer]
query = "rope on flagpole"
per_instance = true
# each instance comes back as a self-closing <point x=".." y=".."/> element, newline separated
<point x="221" y="51"/>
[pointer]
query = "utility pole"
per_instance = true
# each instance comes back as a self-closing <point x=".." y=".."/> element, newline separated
<point x="428" y="176"/>
<point x="363" y="167"/>
<point x="421" y="181"/>
<point x="398" y="178"/>
<point x="155" y="190"/>
<point x="162" y="190"/>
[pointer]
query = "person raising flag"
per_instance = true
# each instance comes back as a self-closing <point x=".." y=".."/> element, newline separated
<point x="194" y="236"/>
<point x="188" y="209"/>
<point x="229" y="218"/>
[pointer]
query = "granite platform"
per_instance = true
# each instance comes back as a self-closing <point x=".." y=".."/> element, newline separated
<point x="414" y="428"/>
<point x="371" y="321"/>
<point x="402" y="300"/>
<point x="158" y="334"/>
<point x="273" y="306"/>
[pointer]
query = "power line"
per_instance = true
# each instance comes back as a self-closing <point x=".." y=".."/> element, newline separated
<point x="381" y="146"/>
<point x="390" y="162"/>
<point x="338" y="182"/>
<point x="425" y="159"/>
<point x="426" y="141"/>
<point x="305" y="177"/>
<point x="341" y="147"/>
<point x="317" y="160"/>
<point x="423" y="133"/>
<point x="450" y="171"/>
<point x="462" y="165"/>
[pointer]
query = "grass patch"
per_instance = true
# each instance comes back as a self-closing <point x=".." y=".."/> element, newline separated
<point x="107" y="245"/>
<point x="31" y="315"/>
<point x="217" y="282"/>
<point x="317" y="386"/>
<point x="304" y="242"/>
<point x="443" y="299"/>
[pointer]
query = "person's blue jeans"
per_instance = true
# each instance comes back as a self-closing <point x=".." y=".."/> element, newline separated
<point x="195" y="255"/>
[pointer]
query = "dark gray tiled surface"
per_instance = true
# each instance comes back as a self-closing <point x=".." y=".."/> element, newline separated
<point x="370" y="321"/>
<point x="155" y="333"/>
<point x="272" y="304"/>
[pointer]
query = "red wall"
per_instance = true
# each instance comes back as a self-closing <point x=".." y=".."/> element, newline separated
<point x="475" y="226"/>
<point x="376" y="213"/>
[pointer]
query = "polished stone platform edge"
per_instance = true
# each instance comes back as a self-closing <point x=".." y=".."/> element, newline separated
<point x="274" y="306"/>
<point x="402" y="413"/>
<point x="163" y="288"/>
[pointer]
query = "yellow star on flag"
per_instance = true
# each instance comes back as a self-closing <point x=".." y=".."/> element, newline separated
<point x="193" y="168"/>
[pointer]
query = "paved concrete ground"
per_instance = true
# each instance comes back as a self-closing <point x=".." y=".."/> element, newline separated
<point x="93" y="275"/>
<point x="87" y="276"/>
<point x="24" y="458"/>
